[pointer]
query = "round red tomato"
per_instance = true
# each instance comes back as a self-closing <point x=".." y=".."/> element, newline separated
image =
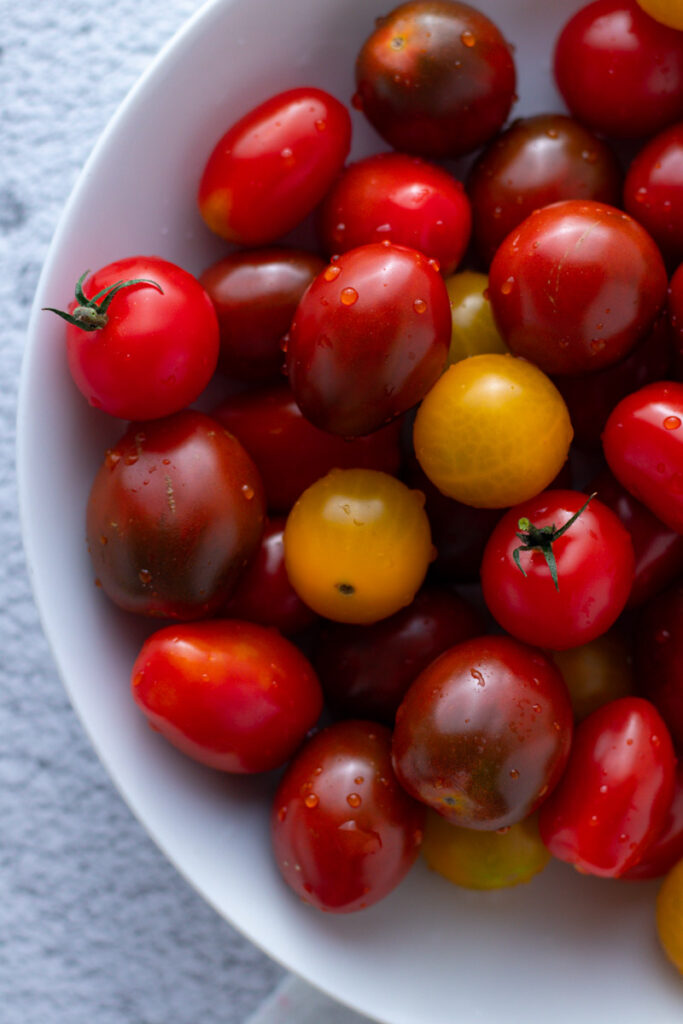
<point x="576" y="286"/>
<point x="344" y="832"/>
<point x="483" y="734"/>
<point x="615" y="795"/>
<point x="667" y="849"/>
<point x="230" y="694"/>
<point x="571" y="581"/>
<point x="643" y="444"/>
<point x="145" y="349"/>
<point x="274" y="165"/>
<point x="659" y="657"/>
<point x="370" y="337"/>
<point x="653" y="190"/>
<point x="619" y="71"/>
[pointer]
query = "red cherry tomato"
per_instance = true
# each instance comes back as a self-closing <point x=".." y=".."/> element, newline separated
<point x="273" y="166"/>
<point x="366" y="670"/>
<point x="576" y="286"/>
<point x="435" y="78"/>
<point x="232" y="695"/>
<point x="370" y="337"/>
<point x="402" y="199"/>
<point x="616" y="793"/>
<point x="344" y="832"/>
<point x="659" y="658"/>
<point x="483" y="734"/>
<point x="255" y="295"/>
<point x="291" y="454"/>
<point x="594" y="566"/>
<point x="653" y="190"/>
<point x="175" y="513"/>
<point x="619" y="71"/>
<point x="143" y="351"/>
<point x="667" y="849"/>
<point x="643" y="443"/>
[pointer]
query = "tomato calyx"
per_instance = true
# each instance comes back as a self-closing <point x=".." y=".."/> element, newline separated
<point x="542" y="538"/>
<point x="91" y="314"/>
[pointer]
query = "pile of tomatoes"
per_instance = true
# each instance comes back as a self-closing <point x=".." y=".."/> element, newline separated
<point x="401" y="426"/>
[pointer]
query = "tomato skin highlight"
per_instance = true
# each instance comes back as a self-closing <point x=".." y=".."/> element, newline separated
<point x="667" y="849"/>
<point x="615" y="795"/>
<point x="653" y="191"/>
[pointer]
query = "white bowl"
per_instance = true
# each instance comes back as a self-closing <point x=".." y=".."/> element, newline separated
<point x="564" y="948"/>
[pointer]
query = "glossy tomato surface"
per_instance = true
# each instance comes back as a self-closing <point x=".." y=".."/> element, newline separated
<point x="653" y="190"/>
<point x="667" y="849"/>
<point x="369" y="338"/>
<point x="659" y="657"/>
<point x="473" y="329"/>
<point x="174" y="514"/>
<point x="576" y="286"/>
<point x="483" y="734"/>
<point x="230" y="694"/>
<point x="615" y="795"/>
<point x="274" y="165"/>
<point x="344" y="832"/>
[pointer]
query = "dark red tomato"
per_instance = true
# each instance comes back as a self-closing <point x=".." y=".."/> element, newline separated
<point x="676" y="320"/>
<point x="142" y="351"/>
<point x="537" y="161"/>
<point x="576" y="286"/>
<point x="264" y="593"/>
<point x="483" y="734"/>
<point x="615" y="795"/>
<point x="619" y="71"/>
<point x="659" y="658"/>
<point x="667" y="849"/>
<point x="291" y="454"/>
<point x="255" y="295"/>
<point x="344" y="832"/>
<point x="366" y="670"/>
<point x="658" y="550"/>
<point x="643" y="444"/>
<point x="653" y="191"/>
<point x="230" y="694"/>
<point x="274" y="166"/>
<point x="175" y="513"/>
<point x="435" y="78"/>
<point x="594" y="567"/>
<point x="591" y="397"/>
<point x="402" y="199"/>
<point x="370" y="337"/>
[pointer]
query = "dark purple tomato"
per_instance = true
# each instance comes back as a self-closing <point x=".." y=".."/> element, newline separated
<point x="483" y="734"/>
<point x="537" y="161"/>
<point x="175" y="513"/>
<point x="435" y="78"/>
<point x="370" y="337"/>
<point x="344" y="832"/>
<point x="653" y="191"/>
<point x="667" y="849"/>
<point x="255" y="295"/>
<point x="659" y="657"/>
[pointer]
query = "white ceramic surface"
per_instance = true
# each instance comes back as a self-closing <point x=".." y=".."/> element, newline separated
<point x="562" y="949"/>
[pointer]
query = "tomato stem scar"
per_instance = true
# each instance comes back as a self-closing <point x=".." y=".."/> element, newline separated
<point x="91" y="314"/>
<point x="542" y="538"/>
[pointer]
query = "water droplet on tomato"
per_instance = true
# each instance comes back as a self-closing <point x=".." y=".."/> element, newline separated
<point x="537" y="708"/>
<point x="247" y="491"/>
<point x="348" y="296"/>
<point x="467" y="38"/>
<point x="672" y="423"/>
<point x="359" y="780"/>
<point x="145" y="576"/>
<point x="321" y="125"/>
<point x="286" y="153"/>
<point x="551" y="133"/>
<point x="311" y="800"/>
<point x="641" y="194"/>
<point x="420" y="306"/>
<point x="514" y="774"/>
<point x="507" y="286"/>
<point x="353" y="800"/>
<point x="434" y="264"/>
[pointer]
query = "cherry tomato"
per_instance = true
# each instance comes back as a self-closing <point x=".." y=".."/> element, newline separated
<point x="255" y="295"/>
<point x="291" y="454"/>
<point x="344" y="832"/>
<point x="667" y="849"/>
<point x="366" y="670"/>
<point x="435" y="78"/>
<point x="148" y="346"/>
<point x="493" y="431"/>
<point x="537" y="161"/>
<point x="357" y="545"/>
<point x="643" y="444"/>
<point x="402" y="199"/>
<point x="669" y="12"/>
<point x="232" y="695"/>
<point x="576" y="286"/>
<point x="175" y="513"/>
<point x="653" y="190"/>
<point x="369" y="339"/>
<point x="659" y="657"/>
<point x="484" y="860"/>
<point x="616" y="792"/>
<point x="264" y="593"/>
<point x="572" y="581"/>
<point x="274" y="165"/>
<point x="596" y="672"/>
<point x="670" y="916"/>
<point x="473" y="329"/>
<point x="620" y="72"/>
<point x="483" y="734"/>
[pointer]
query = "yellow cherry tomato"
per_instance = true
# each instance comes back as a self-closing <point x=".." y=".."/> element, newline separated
<point x="484" y="860"/>
<point x="474" y="331"/>
<point x="357" y="545"/>
<point x="670" y="915"/>
<point x="493" y="431"/>
<point x="596" y="672"/>
<point x="669" y="12"/>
